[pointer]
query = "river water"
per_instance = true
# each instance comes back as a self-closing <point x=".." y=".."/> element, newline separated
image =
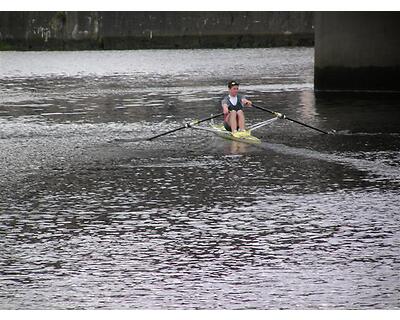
<point x="93" y="216"/>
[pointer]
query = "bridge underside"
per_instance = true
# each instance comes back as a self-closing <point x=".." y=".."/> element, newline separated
<point x="357" y="51"/>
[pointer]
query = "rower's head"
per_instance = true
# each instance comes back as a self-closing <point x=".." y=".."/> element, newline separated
<point x="233" y="87"/>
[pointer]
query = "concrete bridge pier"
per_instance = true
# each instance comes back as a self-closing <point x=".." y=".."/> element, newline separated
<point x="357" y="51"/>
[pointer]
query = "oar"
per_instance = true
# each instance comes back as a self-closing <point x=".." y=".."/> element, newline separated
<point x="282" y="116"/>
<point x="187" y="125"/>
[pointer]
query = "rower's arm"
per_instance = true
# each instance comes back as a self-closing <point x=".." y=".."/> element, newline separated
<point x="225" y="108"/>
<point x="246" y="102"/>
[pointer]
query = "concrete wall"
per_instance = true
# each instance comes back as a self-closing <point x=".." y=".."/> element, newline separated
<point x="136" y="30"/>
<point x="357" y="51"/>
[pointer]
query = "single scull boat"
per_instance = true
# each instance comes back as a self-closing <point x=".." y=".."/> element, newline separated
<point x="243" y="137"/>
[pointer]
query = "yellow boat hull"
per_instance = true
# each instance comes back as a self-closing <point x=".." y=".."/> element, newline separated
<point x="222" y="132"/>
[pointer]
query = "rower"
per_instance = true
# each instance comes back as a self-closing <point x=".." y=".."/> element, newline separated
<point x="232" y="106"/>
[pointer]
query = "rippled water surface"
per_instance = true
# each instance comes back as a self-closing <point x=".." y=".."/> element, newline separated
<point x="94" y="216"/>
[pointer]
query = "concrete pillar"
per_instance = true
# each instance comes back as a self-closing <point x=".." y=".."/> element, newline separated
<point x="357" y="51"/>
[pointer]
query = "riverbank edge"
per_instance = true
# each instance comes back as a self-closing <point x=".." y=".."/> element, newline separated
<point x="162" y="42"/>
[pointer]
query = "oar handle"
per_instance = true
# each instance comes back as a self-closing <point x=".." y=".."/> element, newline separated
<point x="187" y="125"/>
<point x="282" y="116"/>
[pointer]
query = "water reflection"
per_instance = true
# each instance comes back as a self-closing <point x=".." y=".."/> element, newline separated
<point x="190" y="220"/>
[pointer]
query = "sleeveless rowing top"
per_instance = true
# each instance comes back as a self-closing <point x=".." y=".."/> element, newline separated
<point x="238" y="106"/>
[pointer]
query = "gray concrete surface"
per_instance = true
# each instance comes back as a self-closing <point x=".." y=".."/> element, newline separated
<point x="139" y="30"/>
<point x="357" y="51"/>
